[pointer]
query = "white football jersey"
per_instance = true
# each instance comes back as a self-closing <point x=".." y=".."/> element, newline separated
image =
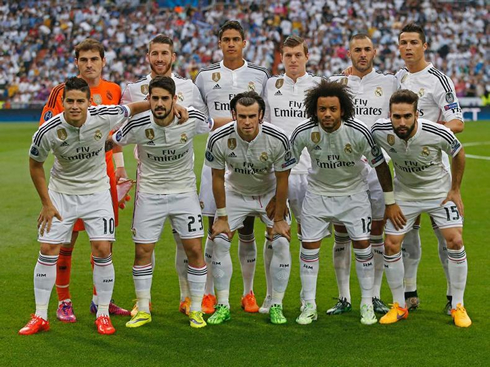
<point x="420" y="172"/>
<point x="371" y="94"/>
<point x="187" y="93"/>
<point x="250" y="165"/>
<point x="79" y="165"/>
<point x="218" y="85"/>
<point x="337" y="168"/>
<point x="284" y="107"/>
<point x="165" y="154"/>
<point x="437" y="97"/>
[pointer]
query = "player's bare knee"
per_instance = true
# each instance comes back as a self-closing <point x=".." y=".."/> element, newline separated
<point x="340" y="228"/>
<point x="393" y="245"/>
<point x="311" y="245"/>
<point x="101" y="249"/>
<point x="455" y="242"/>
<point x="49" y="249"/>
<point x="377" y="227"/>
<point x="143" y="253"/>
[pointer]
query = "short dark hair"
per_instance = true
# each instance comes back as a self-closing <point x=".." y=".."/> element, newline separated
<point x="164" y="82"/>
<point x="231" y="24"/>
<point x="76" y="83"/>
<point x="247" y="99"/>
<point x="404" y="96"/>
<point x="359" y="36"/>
<point x="329" y="89"/>
<point x="160" y="38"/>
<point x="413" y="28"/>
<point x="293" y="41"/>
<point x="89" y="44"/>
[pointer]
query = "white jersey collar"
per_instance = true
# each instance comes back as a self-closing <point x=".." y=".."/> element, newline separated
<point x="299" y="80"/>
<point x="244" y="66"/>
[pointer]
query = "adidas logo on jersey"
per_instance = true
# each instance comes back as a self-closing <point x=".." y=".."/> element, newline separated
<point x="64" y="144"/>
<point x="151" y="142"/>
<point x="232" y="155"/>
<point x="278" y="93"/>
<point x="392" y="150"/>
<point x="317" y="148"/>
<point x="217" y="86"/>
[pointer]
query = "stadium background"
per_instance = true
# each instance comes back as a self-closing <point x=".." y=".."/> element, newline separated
<point x="37" y="39"/>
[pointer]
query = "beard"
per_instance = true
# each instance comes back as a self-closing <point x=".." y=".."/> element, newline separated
<point x="167" y="112"/>
<point x="406" y="134"/>
<point x="165" y="71"/>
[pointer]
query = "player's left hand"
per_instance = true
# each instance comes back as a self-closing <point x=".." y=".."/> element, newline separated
<point x="122" y="204"/>
<point x="181" y="113"/>
<point x="45" y="219"/>
<point x="282" y="228"/>
<point x="121" y="173"/>
<point x="455" y="197"/>
<point x="270" y="209"/>
<point x="395" y="215"/>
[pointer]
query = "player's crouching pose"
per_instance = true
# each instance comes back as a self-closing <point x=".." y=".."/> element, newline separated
<point x="166" y="189"/>
<point x="336" y="189"/>
<point x="78" y="188"/>
<point x="258" y="159"/>
<point x="423" y="185"/>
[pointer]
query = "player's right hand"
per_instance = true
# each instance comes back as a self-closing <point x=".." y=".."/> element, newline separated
<point x="395" y="215"/>
<point x="221" y="226"/>
<point x="46" y="218"/>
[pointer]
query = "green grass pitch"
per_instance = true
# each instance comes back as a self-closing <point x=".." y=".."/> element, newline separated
<point x="427" y="338"/>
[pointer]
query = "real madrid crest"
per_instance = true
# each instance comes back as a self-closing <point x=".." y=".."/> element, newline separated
<point x="144" y="89"/>
<point x="315" y="137"/>
<point x="216" y="77"/>
<point x="98" y="135"/>
<point x="251" y="86"/>
<point x="378" y="92"/>
<point x="232" y="143"/>
<point x="279" y="83"/>
<point x="344" y="81"/>
<point x="348" y="148"/>
<point x="421" y="92"/>
<point x="425" y="151"/>
<point x="180" y="96"/>
<point x="97" y="98"/>
<point x="62" y="134"/>
<point x="150" y="134"/>
<point x="183" y="138"/>
<point x="390" y="139"/>
<point x="264" y="157"/>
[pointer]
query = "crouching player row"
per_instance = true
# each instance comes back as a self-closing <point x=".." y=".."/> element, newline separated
<point x="78" y="188"/>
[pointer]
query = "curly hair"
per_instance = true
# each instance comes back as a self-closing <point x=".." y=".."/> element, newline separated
<point x="329" y="89"/>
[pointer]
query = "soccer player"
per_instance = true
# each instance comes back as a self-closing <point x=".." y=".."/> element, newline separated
<point x="337" y="144"/>
<point x="438" y="103"/>
<point x="218" y="84"/>
<point x="371" y="91"/>
<point x="284" y="108"/>
<point x="423" y="185"/>
<point x="78" y="188"/>
<point x="258" y="159"/>
<point x="90" y="60"/>
<point x="161" y="56"/>
<point x="166" y="189"/>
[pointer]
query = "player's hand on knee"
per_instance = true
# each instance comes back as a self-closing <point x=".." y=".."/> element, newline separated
<point x="455" y="197"/>
<point x="282" y="228"/>
<point x="395" y="215"/>
<point x="221" y="226"/>
<point x="181" y="113"/>
<point x="46" y="218"/>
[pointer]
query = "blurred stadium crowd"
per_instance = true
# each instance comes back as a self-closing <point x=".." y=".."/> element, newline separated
<point x="37" y="38"/>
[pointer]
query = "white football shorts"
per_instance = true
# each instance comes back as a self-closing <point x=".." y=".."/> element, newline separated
<point x="444" y="216"/>
<point x="206" y="196"/>
<point x="94" y="209"/>
<point x="151" y="211"/>
<point x="353" y="211"/>
<point x="296" y="194"/>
